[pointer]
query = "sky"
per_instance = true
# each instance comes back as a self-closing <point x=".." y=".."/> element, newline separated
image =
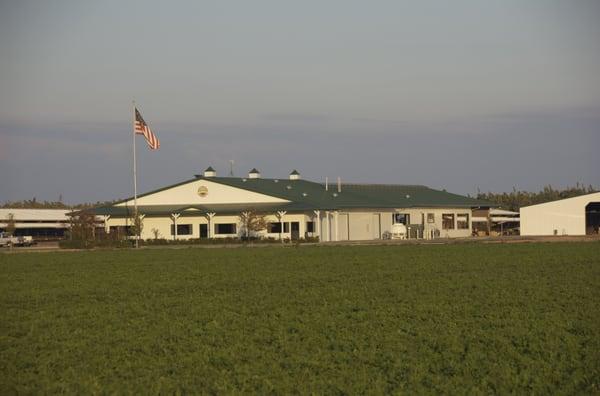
<point x="465" y="95"/>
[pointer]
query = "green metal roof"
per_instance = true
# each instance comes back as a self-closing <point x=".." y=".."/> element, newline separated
<point x="352" y="195"/>
<point x="306" y="195"/>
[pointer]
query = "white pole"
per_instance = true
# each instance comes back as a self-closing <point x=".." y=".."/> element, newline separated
<point x="135" y="178"/>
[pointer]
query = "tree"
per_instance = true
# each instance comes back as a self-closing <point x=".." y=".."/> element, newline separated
<point x="252" y="222"/>
<point x="517" y="199"/>
<point x="155" y="232"/>
<point x="137" y="224"/>
<point x="83" y="227"/>
<point x="10" y="224"/>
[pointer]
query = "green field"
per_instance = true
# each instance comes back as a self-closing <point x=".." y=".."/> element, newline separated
<point x="521" y="318"/>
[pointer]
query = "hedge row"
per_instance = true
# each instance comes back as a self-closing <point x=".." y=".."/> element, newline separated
<point x="128" y="243"/>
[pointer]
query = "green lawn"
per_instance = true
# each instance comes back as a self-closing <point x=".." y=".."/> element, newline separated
<point x="520" y="318"/>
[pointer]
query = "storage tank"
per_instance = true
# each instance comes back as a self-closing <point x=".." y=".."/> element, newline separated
<point x="398" y="231"/>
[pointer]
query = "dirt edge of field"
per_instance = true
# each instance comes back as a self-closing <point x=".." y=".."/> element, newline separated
<point x="438" y="241"/>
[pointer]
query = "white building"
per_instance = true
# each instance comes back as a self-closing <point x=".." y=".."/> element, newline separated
<point x="38" y="223"/>
<point x="208" y="206"/>
<point x="495" y="222"/>
<point x="571" y="216"/>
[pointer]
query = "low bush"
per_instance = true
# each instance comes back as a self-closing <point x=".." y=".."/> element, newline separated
<point x="107" y="242"/>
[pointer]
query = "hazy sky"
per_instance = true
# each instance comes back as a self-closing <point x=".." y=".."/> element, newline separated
<point x="452" y="94"/>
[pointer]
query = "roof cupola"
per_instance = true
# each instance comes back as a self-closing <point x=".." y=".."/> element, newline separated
<point x="254" y="174"/>
<point x="210" y="172"/>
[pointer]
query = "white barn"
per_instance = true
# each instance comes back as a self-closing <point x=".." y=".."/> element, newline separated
<point x="571" y="216"/>
<point x="208" y="206"/>
<point x="38" y="223"/>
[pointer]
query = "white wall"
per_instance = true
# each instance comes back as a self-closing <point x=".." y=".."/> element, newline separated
<point x="566" y="216"/>
<point x="163" y="225"/>
<point x="351" y="225"/>
<point x="187" y="194"/>
<point x="418" y="215"/>
<point x="360" y="225"/>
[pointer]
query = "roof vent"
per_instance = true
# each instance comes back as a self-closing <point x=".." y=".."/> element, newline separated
<point x="210" y="172"/>
<point x="305" y="194"/>
<point x="335" y="195"/>
<point x="294" y="175"/>
<point x="276" y="181"/>
<point x="254" y="174"/>
<point x="244" y="179"/>
<point x="288" y="187"/>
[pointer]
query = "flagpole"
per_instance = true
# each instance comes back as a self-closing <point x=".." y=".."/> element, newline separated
<point x="134" y="180"/>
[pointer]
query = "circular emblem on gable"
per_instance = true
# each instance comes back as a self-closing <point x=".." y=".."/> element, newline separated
<point x="203" y="191"/>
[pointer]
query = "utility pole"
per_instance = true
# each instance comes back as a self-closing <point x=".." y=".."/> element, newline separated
<point x="231" y="162"/>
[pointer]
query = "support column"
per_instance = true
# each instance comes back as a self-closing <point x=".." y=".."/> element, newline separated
<point x="337" y="225"/>
<point x="318" y="213"/>
<point x="327" y="226"/>
<point x="280" y="214"/>
<point x="175" y="216"/>
<point x="245" y="216"/>
<point x="210" y="216"/>
<point x="106" y="226"/>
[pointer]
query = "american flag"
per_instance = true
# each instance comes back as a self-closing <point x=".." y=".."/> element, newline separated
<point x="141" y="128"/>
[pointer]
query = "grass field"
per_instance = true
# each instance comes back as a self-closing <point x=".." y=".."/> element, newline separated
<point x="520" y="318"/>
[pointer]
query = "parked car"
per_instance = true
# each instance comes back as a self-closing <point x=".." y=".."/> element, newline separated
<point x="7" y="240"/>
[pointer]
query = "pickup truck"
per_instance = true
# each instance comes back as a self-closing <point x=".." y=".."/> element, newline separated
<point x="9" y="240"/>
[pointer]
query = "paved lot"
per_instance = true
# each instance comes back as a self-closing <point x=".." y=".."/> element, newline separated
<point x="40" y="246"/>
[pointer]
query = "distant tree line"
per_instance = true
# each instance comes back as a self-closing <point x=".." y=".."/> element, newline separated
<point x="35" y="204"/>
<point x="516" y="199"/>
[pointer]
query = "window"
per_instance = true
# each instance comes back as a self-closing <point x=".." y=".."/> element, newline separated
<point x="275" y="228"/>
<point x="230" y="228"/>
<point x="121" y="230"/>
<point x="400" y="218"/>
<point x="182" y="229"/>
<point x="447" y="221"/>
<point x="203" y="230"/>
<point x="310" y="226"/>
<point x="431" y="217"/>
<point x="462" y="221"/>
